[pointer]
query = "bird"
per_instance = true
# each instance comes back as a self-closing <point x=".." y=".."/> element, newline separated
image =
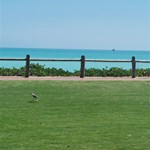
<point x="35" y="97"/>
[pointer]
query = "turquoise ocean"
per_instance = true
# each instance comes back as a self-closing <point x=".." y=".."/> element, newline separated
<point x="74" y="54"/>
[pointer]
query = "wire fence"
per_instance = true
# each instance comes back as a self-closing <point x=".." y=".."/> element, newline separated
<point x="82" y="61"/>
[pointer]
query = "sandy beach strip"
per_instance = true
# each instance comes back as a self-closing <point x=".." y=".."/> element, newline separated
<point x="57" y="78"/>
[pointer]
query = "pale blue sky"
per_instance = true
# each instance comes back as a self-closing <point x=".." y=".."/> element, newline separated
<point x="82" y="24"/>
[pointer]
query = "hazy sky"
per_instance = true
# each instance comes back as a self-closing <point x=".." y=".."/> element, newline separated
<point x="83" y="24"/>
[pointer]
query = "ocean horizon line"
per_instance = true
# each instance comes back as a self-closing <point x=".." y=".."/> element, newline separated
<point x="113" y="49"/>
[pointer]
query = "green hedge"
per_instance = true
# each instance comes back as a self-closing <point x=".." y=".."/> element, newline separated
<point x="41" y="70"/>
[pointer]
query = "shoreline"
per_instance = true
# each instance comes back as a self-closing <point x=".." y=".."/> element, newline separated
<point x="72" y="78"/>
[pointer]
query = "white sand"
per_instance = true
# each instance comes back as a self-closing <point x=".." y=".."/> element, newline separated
<point x="75" y="78"/>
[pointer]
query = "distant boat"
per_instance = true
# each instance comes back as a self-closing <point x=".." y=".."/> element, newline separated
<point x="113" y="49"/>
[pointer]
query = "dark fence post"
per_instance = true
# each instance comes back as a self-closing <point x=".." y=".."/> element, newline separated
<point x="27" y="66"/>
<point x="82" y="69"/>
<point x="133" y="67"/>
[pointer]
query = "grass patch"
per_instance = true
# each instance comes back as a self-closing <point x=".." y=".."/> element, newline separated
<point x="75" y="115"/>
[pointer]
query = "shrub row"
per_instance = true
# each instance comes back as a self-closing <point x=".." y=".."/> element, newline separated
<point x="41" y="70"/>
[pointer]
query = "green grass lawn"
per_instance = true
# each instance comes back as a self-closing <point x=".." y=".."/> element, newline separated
<point x="75" y="115"/>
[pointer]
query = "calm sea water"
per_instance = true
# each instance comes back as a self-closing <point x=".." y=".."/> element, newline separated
<point x="73" y="54"/>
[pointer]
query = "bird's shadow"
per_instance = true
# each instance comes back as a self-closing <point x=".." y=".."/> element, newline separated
<point x="31" y="101"/>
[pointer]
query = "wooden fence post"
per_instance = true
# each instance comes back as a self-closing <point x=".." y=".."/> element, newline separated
<point x="27" y="66"/>
<point x="133" y="67"/>
<point x="82" y="69"/>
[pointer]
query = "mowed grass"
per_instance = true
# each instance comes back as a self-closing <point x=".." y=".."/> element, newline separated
<point x="75" y="115"/>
